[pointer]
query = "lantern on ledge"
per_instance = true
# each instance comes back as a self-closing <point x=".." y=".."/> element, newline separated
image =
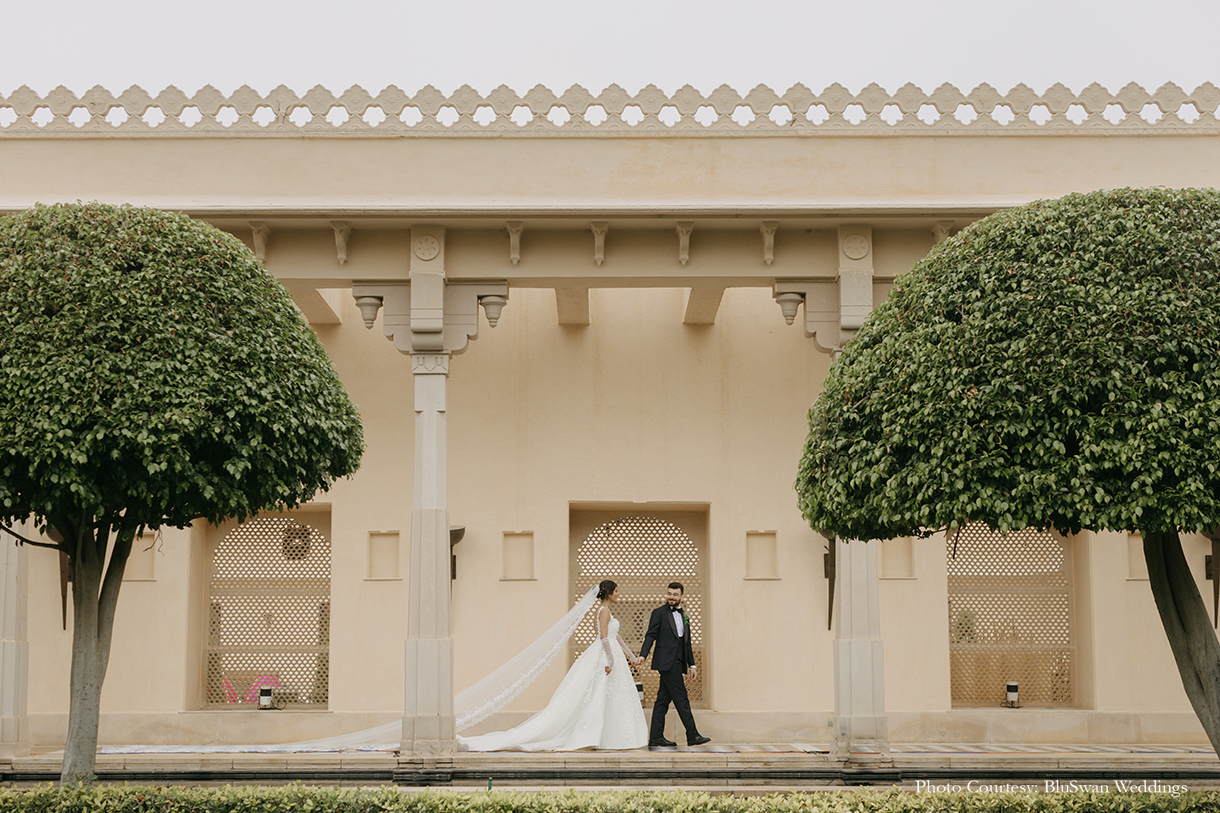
<point x="1011" y="695"/>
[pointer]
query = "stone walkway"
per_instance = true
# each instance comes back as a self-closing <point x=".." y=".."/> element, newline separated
<point x="722" y="766"/>
<point x="1056" y="748"/>
<point x="956" y="748"/>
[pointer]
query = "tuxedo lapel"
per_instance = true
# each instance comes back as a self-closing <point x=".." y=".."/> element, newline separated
<point x="669" y="613"/>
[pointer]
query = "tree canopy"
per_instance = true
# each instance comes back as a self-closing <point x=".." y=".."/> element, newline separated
<point x="1055" y="364"/>
<point x="152" y="373"/>
<point x="150" y="365"/>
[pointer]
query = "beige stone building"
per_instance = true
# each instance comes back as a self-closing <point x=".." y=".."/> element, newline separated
<point x="666" y="277"/>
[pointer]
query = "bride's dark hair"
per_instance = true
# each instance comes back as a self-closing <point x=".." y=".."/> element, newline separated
<point x="606" y="589"/>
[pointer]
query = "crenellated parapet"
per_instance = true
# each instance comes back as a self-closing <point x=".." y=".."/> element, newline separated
<point x="613" y="112"/>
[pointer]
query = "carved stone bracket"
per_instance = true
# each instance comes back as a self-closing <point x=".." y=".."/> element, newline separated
<point x="599" y="240"/>
<point x="343" y="230"/>
<point x="768" y="234"/>
<point x="940" y="230"/>
<point x="514" y="241"/>
<point x="834" y="309"/>
<point x="820" y="298"/>
<point x="684" y="230"/>
<point x="261" y="232"/>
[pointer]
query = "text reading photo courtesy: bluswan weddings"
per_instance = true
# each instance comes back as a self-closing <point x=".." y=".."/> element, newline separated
<point x="1154" y="786"/>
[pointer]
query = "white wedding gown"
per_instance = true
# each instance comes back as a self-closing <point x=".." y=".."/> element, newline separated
<point x="590" y="709"/>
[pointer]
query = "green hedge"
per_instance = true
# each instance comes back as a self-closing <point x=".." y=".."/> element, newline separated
<point x="301" y="799"/>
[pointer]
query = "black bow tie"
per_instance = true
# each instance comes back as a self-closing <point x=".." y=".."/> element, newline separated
<point x="676" y="609"/>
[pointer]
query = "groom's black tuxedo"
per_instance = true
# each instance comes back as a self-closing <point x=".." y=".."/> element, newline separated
<point x="671" y="649"/>
<point x="673" y="658"/>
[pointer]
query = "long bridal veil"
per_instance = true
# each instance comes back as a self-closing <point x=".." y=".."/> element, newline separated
<point x="494" y="692"/>
<point x="470" y="705"/>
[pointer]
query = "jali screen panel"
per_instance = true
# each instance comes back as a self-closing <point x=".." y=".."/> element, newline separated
<point x="1009" y="617"/>
<point x="643" y="555"/>
<point x="269" y="615"/>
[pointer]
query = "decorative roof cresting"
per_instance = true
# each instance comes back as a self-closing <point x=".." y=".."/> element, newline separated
<point x="613" y="112"/>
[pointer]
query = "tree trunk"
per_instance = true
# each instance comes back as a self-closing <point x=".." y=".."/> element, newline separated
<point x="1187" y="626"/>
<point x="94" y="599"/>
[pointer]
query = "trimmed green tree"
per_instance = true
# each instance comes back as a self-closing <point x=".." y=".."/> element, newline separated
<point x="152" y="373"/>
<point x="1055" y="365"/>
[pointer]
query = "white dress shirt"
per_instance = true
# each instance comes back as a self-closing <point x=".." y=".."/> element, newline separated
<point x="677" y="611"/>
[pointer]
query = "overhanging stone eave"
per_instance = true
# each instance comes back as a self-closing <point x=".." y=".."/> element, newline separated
<point x="817" y="215"/>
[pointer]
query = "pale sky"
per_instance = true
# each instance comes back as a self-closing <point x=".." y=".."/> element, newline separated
<point x="447" y="43"/>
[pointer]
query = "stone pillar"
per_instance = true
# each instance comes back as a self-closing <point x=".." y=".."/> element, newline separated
<point x="861" y="731"/>
<point x="14" y="648"/>
<point x="427" y="723"/>
<point x="834" y="311"/>
<point x="431" y="319"/>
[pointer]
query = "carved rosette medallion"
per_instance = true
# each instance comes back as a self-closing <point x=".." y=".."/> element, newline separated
<point x="427" y="247"/>
<point x="855" y="246"/>
<point x="430" y="363"/>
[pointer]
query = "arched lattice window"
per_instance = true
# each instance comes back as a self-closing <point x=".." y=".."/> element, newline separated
<point x="269" y="615"/>
<point x="643" y="555"/>
<point x="1009" y="617"/>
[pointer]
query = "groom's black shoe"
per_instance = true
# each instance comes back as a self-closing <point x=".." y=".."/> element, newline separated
<point x="662" y="743"/>
<point x="698" y="740"/>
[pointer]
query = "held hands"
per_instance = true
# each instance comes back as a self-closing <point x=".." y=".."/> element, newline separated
<point x="634" y="664"/>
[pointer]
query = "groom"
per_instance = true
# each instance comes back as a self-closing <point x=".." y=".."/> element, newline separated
<point x="669" y="629"/>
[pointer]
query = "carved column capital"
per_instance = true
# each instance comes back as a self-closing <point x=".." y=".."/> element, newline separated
<point x="445" y="321"/>
<point x="430" y="363"/>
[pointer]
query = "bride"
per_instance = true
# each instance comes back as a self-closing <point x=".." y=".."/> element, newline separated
<point x="595" y="706"/>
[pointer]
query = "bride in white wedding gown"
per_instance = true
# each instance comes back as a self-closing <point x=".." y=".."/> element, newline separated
<point x="595" y="706"/>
